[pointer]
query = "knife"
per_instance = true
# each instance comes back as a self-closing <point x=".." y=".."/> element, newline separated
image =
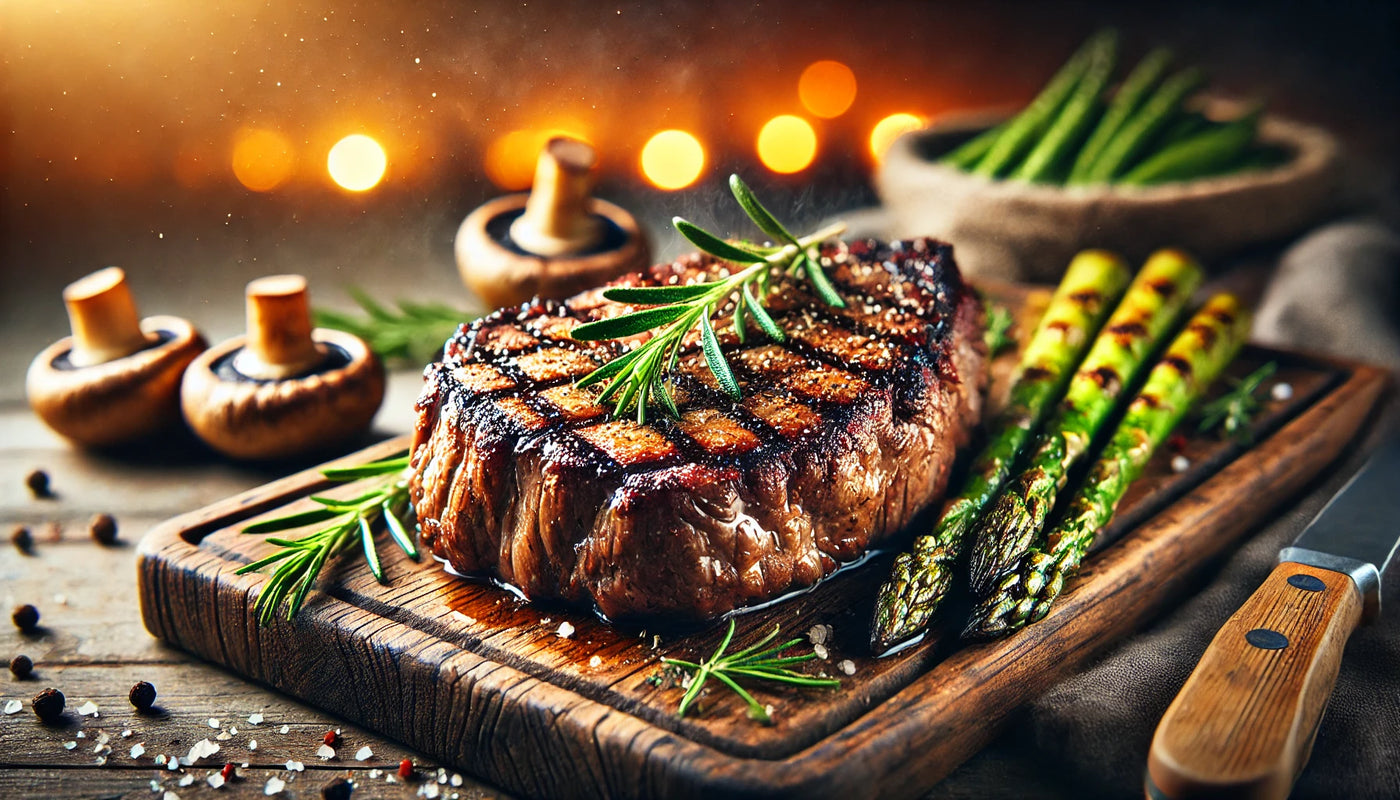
<point x="1244" y="722"/>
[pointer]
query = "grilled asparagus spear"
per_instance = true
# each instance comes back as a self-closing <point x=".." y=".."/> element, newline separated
<point x="1196" y="357"/>
<point x="1148" y="311"/>
<point x="919" y="579"/>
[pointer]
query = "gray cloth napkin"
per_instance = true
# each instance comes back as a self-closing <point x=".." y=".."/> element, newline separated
<point x="1088" y="736"/>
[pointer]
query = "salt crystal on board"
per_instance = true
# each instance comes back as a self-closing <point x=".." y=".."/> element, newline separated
<point x="252" y="744"/>
<point x="88" y="708"/>
<point x="848" y="666"/>
<point x="284" y="728"/>
<point x="565" y="630"/>
<point x="213" y="722"/>
<point x="255" y="718"/>
<point x="326" y="752"/>
<point x="215" y="780"/>
<point x="12" y="706"/>
<point x="138" y="750"/>
<point x="363" y="754"/>
<point x="273" y="786"/>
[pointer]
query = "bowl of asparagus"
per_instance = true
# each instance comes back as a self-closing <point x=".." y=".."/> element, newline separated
<point x="1129" y="166"/>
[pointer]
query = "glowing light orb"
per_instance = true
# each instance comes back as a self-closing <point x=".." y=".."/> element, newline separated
<point x="672" y="159"/>
<point x="787" y="144"/>
<point x="827" y="88"/>
<point x="357" y="163"/>
<point x="262" y="159"/>
<point x="891" y="128"/>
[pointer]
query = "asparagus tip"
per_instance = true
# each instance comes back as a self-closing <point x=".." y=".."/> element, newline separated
<point x="1004" y="537"/>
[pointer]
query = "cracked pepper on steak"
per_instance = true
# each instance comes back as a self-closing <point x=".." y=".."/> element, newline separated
<point x="844" y="433"/>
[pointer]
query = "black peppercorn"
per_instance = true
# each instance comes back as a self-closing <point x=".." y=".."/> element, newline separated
<point x="22" y="539"/>
<point x="38" y="483"/>
<point x="21" y="666"/>
<point x="103" y="529"/>
<point x="143" y="696"/>
<point x="26" y="617"/>
<point x="338" y="789"/>
<point x="48" y="704"/>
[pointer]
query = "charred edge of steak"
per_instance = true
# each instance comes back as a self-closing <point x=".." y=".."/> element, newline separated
<point x="502" y="421"/>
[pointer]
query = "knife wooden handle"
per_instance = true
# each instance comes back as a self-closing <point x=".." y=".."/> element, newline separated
<point x="1243" y="724"/>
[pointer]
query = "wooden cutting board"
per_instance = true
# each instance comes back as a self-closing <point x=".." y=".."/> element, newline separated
<point x="466" y="672"/>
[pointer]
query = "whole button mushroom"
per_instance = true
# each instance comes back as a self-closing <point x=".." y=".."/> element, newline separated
<point x="116" y="380"/>
<point x="554" y="241"/>
<point x="284" y="389"/>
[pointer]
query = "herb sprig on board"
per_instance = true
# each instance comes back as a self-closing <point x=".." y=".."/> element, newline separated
<point x="349" y="522"/>
<point x="411" y="333"/>
<point x="638" y="380"/>
<point x="755" y="662"/>
<point x="1232" y="412"/>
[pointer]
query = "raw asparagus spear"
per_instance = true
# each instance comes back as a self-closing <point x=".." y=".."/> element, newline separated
<point x="1119" y="154"/>
<point x="1070" y="124"/>
<point x="1011" y="145"/>
<point x="1148" y="312"/>
<point x="1129" y="97"/>
<point x="1196" y="357"/>
<point x="919" y="579"/>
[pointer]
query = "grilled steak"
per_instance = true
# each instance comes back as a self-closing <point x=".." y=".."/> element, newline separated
<point x="844" y="433"/>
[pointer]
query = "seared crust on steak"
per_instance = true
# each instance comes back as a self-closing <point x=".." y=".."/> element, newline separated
<point x="844" y="433"/>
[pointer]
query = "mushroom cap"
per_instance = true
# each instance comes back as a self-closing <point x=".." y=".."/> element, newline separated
<point x="247" y="418"/>
<point x="504" y="275"/>
<point x="118" y="401"/>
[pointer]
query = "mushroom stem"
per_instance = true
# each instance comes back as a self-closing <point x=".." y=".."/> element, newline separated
<point x="279" y="330"/>
<point x="103" y="318"/>
<point x="557" y="220"/>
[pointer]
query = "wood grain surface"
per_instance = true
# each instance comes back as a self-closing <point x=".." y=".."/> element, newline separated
<point x="465" y="672"/>
<point x="1244" y="723"/>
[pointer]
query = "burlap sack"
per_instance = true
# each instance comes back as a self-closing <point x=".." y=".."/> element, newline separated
<point x="1022" y="231"/>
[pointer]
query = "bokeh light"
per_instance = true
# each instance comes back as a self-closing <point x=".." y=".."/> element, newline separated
<point x="262" y="159"/>
<point x="891" y="128"/>
<point x="827" y="88"/>
<point x="357" y="163"/>
<point x="787" y="144"/>
<point x="672" y="159"/>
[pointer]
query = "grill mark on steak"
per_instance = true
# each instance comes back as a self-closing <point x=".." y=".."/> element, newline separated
<point x="844" y="431"/>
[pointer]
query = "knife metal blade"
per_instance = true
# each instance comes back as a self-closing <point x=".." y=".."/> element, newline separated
<point x="1357" y="533"/>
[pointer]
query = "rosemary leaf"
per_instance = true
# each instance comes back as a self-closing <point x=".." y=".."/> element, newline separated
<point x="760" y="215"/>
<point x="631" y="324"/>
<point x="716" y="246"/>
<point x="761" y="316"/>
<point x="656" y="295"/>
<point x="714" y="359"/>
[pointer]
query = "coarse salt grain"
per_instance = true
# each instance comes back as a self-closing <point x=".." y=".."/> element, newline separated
<point x="252" y="744"/>
<point x="428" y="790"/>
<point x="172" y="764"/>
<point x="160" y="759"/>
<point x="295" y="766"/>
<point x="565" y="630"/>
<point x="273" y="786"/>
<point x="186" y="780"/>
<point x="82" y="735"/>
<point x="100" y="761"/>
<point x="1180" y="463"/>
<point x="87" y="709"/>
<point x="213" y="722"/>
<point x="595" y="662"/>
<point x="69" y="745"/>
<point x="456" y="779"/>
<point x="847" y="666"/>
<point x="821" y="651"/>
<point x="326" y="752"/>
<point x="224" y="736"/>
<point x="126" y="734"/>
<point x="819" y="634"/>
<point x="200" y="749"/>
<point x="284" y="728"/>
<point x="363" y="754"/>
<point x="1282" y="391"/>
<point x="255" y="719"/>
<point x="169" y="795"/>
<point x="375" y="773"/>
<point x="215" y="780"/>
<point x="12" y="706"/>
<point x="138" y="750"/>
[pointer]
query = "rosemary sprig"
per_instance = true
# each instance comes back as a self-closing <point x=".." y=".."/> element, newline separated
<point x="999" y="325"/>
<point x="638" y="379"/>
<point x="413" y="333"/>
<point x="1231" y="412"/>
<point x="753" y="662"/>
<point x="348" y="522"/>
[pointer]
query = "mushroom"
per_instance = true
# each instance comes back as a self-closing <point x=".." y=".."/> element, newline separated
<point x="554" y="241"/>
<point x="116" y="380"/>
<point x="284" y="389"/>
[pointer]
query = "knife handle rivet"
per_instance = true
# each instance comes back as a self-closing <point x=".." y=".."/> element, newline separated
<point x="1265" y="639"/>
<point x="1307" y="583"/>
